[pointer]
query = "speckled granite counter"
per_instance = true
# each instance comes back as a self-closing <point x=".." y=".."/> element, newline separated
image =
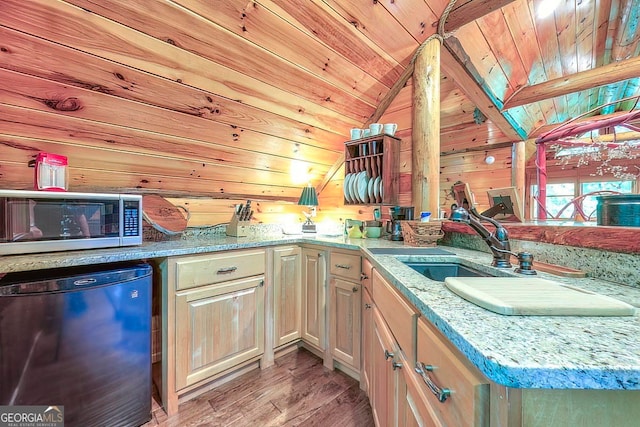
<point x="529" y="351"/>
<point x="516" y="351"/>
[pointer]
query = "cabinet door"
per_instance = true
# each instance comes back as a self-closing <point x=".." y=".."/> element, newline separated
<point x="314" y="277"/>
<point x="218" y="327"/>
<point x="383" y="383"/>
<point x="345" y="322"/>
<point x="287" y="295"/>
<point x="367" y="342"/>
<point x="414" y="407"/>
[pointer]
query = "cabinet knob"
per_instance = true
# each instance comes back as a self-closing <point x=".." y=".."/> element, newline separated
<point x="355" y="289"/>
<point x="261" y="283"/>
<point x="388" y="355"/>
<point x="396" y="365"/>
<point x="363" y="276"/>
<point x="367" y="306"/>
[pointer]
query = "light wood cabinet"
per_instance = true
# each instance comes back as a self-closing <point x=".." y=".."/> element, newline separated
<point x="214" y="318"/>
<point x="463" y="397"/>
<point x="412" y="338"/>
<point x="345" y="322"/>
<point x="367" y="326"/>
<point x="344" y="308"/>
<point x="314" y="281"/>
<point x="217" y="327"/>
<point x="393" y="400"/>
<point x="383" y="380"/>
<point x="287" y="294"/>
<point x="398" y="313"/>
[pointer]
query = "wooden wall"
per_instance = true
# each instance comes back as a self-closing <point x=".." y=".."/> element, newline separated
<point x="464" y="146"/>
<point x="202" y="104"/>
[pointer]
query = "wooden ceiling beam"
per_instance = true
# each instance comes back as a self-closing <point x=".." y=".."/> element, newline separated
<point x="469" y="11"/>
<point x="546" y="128"/>
<point x="459" y="16"/>
<point x="452" y="67"/>
<point x="601" y="76"/>
<point x="611" y="138"/>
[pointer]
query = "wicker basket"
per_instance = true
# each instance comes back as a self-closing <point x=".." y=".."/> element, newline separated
<point x="417" y="233"/>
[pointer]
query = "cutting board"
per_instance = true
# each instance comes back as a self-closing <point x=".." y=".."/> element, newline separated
<point x="163" y="215"/>
<point x="532" y="296"/>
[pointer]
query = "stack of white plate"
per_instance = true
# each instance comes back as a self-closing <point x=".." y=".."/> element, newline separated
<point x="359" y="187"/>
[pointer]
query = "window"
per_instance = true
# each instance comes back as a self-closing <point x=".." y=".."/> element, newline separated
<point x="590" y="203"/>
<point x="561" y="194"/>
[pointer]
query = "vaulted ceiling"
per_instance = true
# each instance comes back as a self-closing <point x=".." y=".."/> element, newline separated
<point x="156" y="91"/>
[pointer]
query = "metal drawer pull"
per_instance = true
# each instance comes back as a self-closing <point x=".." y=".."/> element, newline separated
<point x="345" y="266"/>
<point x="367" y="306"/>
<point x="261" y="284"/>
<point x="388" y="355"/>
<point x="226" y="270"/>
<point x="355" y="289"/>
<point x="363" y="276"/>
<point x="396" y="365"/>
<point x="440" y="393"/>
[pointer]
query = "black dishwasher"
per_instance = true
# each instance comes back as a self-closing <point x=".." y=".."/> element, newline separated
<point x="78" y="338"/>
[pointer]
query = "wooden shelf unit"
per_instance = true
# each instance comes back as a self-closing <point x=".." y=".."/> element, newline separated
<point x="378" y="155"/>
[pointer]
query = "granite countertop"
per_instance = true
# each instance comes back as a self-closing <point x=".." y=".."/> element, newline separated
<point x="516" y="351"/>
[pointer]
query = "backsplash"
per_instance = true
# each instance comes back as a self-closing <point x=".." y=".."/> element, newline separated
<point x="612" y="266"/>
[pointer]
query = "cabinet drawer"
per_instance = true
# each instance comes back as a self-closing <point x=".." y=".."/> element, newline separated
<point x="399" y="315"/>
<point x="346" y="265"/>
<point x="468" y="403"/>
<point x="202" y="270"/>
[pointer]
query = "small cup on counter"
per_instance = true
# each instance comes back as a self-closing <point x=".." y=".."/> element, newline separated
<point x="372" y="232"/>
<point x="425" y="216"/>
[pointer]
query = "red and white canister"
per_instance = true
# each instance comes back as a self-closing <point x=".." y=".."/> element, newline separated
<point x="51" y="173"/>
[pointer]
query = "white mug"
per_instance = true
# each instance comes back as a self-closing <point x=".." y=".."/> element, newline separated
<point x="390" y="128"/>
<point x="376" y="128"/>
<point x="356" y="133"/>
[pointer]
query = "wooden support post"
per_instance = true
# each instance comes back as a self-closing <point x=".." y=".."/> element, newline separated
<point x="541" y="163"/>
<point x="426" y="130"/>
<point x="518" y="168"/>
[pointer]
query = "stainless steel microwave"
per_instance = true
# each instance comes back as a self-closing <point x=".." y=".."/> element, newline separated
<point x="41" y="221"/>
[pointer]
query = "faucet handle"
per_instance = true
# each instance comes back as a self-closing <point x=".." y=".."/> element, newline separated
<point x="525" y="259"/>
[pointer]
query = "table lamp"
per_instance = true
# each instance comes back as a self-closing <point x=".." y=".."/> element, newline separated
<point x="309" y="198"/>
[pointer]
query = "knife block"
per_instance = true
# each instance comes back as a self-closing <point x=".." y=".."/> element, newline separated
<point x="237" y="228"/>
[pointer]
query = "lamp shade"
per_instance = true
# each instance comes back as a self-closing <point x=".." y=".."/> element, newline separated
<point x="308" y="197"/>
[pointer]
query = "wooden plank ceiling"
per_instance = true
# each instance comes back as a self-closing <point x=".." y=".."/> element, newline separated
<point x="252" y="99"/>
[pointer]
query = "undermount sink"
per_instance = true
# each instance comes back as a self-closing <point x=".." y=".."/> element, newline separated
<point x="409" y="250"/>
<point x="438" y="271"/>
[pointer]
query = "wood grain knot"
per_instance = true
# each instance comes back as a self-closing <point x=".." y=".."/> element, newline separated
<point x="67" y="104"/>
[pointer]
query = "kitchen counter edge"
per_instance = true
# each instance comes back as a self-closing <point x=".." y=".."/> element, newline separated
<point x="515" y="351"/>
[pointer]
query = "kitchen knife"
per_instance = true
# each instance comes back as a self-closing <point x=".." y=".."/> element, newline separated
<point x="247" y="211"/>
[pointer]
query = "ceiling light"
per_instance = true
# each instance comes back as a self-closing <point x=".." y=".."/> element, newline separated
<point x="546" y="8"/>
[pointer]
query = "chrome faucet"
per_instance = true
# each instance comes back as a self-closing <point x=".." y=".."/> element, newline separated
<point x="498" y="241"/>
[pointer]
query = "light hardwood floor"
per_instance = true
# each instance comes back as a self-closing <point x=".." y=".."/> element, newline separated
<point x="297" y="391"/>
